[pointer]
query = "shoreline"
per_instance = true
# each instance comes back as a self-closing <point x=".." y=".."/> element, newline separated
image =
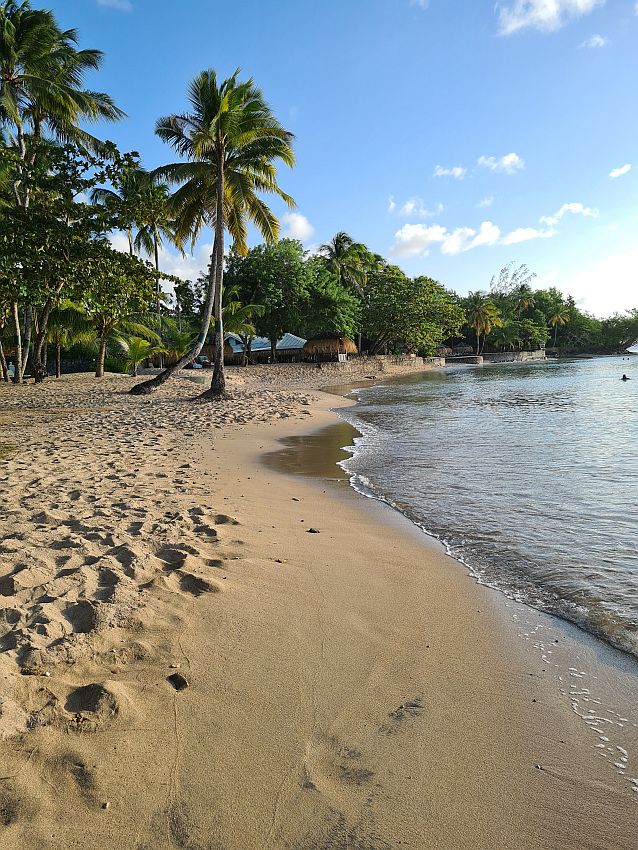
<point x="353" y="687"/>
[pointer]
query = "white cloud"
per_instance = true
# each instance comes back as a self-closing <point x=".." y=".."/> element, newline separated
<point x="618" y="172"/>
<point x="120" y="5"/>
<point x="457" y="171"/>
<point x="413" y="207"/>
<point x="525" y="234"/>
<point x="416" y="239"/>
<point x="188" y="267"/>
<point x="544" y="15"/>
<point x="616" y="272"/>
<point x="422" y="4"/>
<point x="573" y="209"/>
<point x="508" y="164"/>
<point x="595" y="41"/>
<point x="296" y="226"/>
<point x="486" y="202"/>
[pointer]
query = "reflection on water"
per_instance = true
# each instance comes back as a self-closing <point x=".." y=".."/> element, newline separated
<point x="316" y="455"/>
<point x="528" y="473"/>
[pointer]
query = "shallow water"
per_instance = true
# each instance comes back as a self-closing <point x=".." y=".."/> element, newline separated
<point x="528" y="473"/>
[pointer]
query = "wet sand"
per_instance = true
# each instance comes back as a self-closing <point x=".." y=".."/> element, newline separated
<point x="350" y="687"/>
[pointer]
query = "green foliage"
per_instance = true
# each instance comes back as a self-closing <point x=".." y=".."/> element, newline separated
<point x="330" y="306"/>
<point x="408" y="315"/>
<point x="274" y="276"/>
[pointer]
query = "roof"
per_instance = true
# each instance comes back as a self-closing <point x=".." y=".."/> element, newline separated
<point x="288" y="342"/>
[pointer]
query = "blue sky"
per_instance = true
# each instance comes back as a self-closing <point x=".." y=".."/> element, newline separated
<point x="451" y="136"/>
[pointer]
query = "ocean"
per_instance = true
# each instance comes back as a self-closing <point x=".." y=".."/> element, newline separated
<point x="527" y="473"/>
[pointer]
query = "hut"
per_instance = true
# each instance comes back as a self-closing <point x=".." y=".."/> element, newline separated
<point x="329" y="346"/>
<point x="288" y="349"/>
<point x="442" y="351"/>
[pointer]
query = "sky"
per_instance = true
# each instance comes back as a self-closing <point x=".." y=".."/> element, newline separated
<point x="450" y="136"/>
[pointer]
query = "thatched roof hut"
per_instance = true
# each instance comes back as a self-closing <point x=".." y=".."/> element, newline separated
<point x="443" y="350"/>
<point x="329" y="345"/>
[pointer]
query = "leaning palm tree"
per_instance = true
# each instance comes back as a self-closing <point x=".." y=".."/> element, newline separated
<point x="231" y="141"/>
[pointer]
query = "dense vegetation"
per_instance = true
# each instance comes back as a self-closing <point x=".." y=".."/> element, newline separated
<point x="65" y="290"/>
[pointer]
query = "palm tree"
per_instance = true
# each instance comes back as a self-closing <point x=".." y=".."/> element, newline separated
<point x="482" y="315"/>
<point x="42" y="94"/>
<point x="560" y="317"/>
<point x="231" y="140"/>
<point x="68" y="324"/>
<point x="523" y="298"/>
<point x="125" y="199"/>
<point x="346" y="259"/>
<point x="238" y="319"/>
<point x="41" y="81"/>
<point x="138" y="350"/>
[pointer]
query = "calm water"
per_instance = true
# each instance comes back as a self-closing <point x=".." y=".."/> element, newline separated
<point x="529" y="474"/>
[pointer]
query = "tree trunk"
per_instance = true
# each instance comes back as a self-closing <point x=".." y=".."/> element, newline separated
<point x="58" y="360"/>
<point x="99" y="369"/>
<point x="17" y="375"/>
<point x="218" y="383"/>
<point x="159" y="292"/>
<point x="39" y="346"/>
<point x="151" y="385"/>
<point x="3" y="365"/>
<point x="28" y="326"/>
<point x="555" y="333"/>
<point x="478" y="342"/>
<point x="273" y="350"/>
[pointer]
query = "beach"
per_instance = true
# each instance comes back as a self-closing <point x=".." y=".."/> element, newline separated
<point x="345" y="683"/>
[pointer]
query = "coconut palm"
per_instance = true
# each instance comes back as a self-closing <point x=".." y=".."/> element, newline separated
<point x="560" y="317"/>
<point x="41" y="80"/>
<point x="125" y="199"/>
<point x="523" y="298"/>
<point x="137" y="350"/>
<point x="482" y="315"/>
<point x="347" y="260"/>
<point x="68" y="325"/>
<point x="231" y="141"/>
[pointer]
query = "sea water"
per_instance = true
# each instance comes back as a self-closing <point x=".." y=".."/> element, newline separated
<point x="527" y="472"/>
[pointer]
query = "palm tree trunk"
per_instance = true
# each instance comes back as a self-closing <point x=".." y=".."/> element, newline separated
<point x="58" y="360"/>
<point x="218" y="383"/>
<point x="39" y="360"/>
<point x="555" y="333"/>
<point x="17" y="375"/>
<point x="159" y="292"/>
<point x="99" y="369"/>
<point x="273" y="350"/>
<point x="151" y="385"/>
<point x="3" y="365"/>
<point x="478" y="341"/>
<point x="28" y="326"/>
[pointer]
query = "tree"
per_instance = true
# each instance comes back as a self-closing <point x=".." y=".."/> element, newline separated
<point x="559" y="318"/>
<point x="275" y="277"/>
<point x="138" y="350"/>
<point x="413" y="315"/>
<point x="47" y="245"/>
<point x="231" y="141"/>
<point x="68" y="325"/>
<point x="42" y="95"/>
<point x="330" y="306"/>
<point x="482" y="315"/>
<point x="122" y="289"/>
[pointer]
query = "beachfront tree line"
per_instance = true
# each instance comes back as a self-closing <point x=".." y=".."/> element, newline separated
<point x="64" y="193"/>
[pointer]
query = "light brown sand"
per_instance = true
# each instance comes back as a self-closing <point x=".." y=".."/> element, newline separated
<point x="347" y="689"/>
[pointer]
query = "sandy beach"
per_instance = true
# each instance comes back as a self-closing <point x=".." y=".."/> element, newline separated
<point x="347" y="684"/>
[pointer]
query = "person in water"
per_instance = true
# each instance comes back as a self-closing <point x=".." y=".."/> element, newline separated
<point x="625" y="378"/>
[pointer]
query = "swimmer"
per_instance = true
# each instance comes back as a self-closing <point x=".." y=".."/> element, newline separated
<point x="625" y="378"/>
